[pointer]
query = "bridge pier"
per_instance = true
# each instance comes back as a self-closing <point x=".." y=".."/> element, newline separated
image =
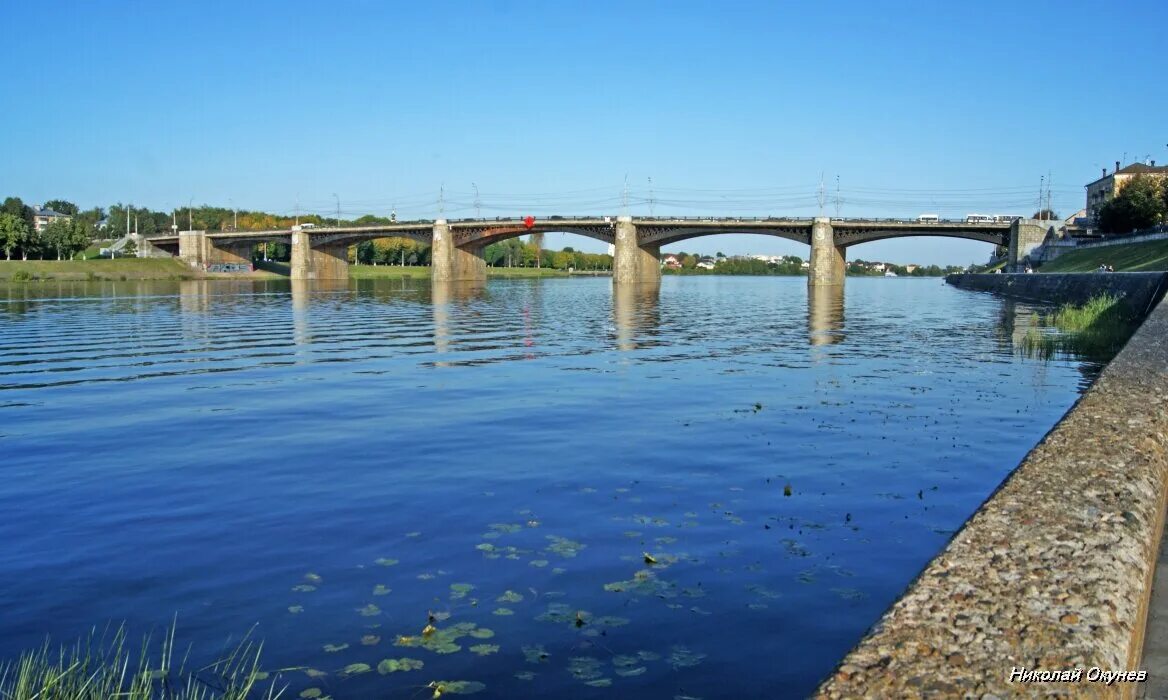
<point x="1025" y="236"/>
<point x="634" y="264"/>
<point x="453" y="263"/>
<point x="324" y="261"/>
<point x="192" y="248"/>
<point x="828" y="261"/>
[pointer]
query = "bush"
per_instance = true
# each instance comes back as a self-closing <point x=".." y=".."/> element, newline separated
<point x="21" y="276"/>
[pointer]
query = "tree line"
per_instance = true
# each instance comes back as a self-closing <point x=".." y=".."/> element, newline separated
<point x="61" y="238"/>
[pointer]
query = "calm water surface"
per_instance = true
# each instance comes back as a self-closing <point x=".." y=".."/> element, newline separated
<point x="331" y="464"/>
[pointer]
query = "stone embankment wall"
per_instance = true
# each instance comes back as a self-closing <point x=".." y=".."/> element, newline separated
<point x="1139" y="289"/>
<point x="1054" y="571"/>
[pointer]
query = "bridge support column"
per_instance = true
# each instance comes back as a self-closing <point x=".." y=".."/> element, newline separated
<point x="451" y="263"/>
<point x="1025" y="236"/>
<point x="192" y="248"/>
<point x="325" y="261"/>
<point x="634" y="264"/>
<point x="828" y="261"/>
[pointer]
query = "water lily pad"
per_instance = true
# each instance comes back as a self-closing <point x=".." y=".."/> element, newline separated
<point x="505" y="528"/>
<point x="585" y="668"/>
<point x="630" y="672"/>
<point x="484" y="649"/>
<point x="380" y="589"/>
<point x="334" y="648"/>
<point x="354" y="669"/>
<point x="295" y="609"/>
<point x="599" y="682"/>
<point x="460" y="590"/>
<point x="313" y="578"/>
<point x="539" y="563"/>
<point x="510" y="597"/>
<point x="304" y="588"/>
<point x="369" y="610"/>
<point x="525" y="676"/>
<point x="564" y="546"/>
<point x="502" y="611"/>
<point x="456" y="687"/>
<point x="385" y="561"/>
<point x="682" y="657"/>
<point x="311" y="693"/>
<point x="535" y="654"/>
<point x="370" y="639"/>
<point x="397" y="665"/>
<point x="314" y="673"/>
<point x="482" y="633"/>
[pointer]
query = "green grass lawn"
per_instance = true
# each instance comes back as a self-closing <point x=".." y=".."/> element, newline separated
<point x="99" y="269"/>
<point x="1131" y="257"/>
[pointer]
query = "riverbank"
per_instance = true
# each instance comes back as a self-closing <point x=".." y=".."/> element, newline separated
<point x="1127" y="257"/>
<point x="101" y="269"/>
<point x="1054" y="571"/>
<point x="1138" y="289"/>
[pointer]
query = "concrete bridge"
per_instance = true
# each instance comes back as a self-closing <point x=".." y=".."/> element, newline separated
<point x="457" y="246"/>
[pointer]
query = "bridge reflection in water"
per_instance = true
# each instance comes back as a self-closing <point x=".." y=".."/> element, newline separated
<point x="636" y="313"/>
<point x="443" y="297"/>
<point x="825" y="314"/>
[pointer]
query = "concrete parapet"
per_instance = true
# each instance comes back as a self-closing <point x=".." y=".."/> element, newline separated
<point x="1054" y="571"/>
<point x="828" y="261"/>
<point x="632" y="263"/>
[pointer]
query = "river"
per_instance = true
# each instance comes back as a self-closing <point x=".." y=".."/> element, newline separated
<point x="708" y="491"/>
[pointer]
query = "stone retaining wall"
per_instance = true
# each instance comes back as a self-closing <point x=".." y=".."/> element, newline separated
<point x="1054" y="571"/>
<point x="1140" y="289"/>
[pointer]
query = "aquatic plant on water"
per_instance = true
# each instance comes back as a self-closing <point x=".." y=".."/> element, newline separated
<point x="1096" y="329"/>
<point x="103" y="667"/>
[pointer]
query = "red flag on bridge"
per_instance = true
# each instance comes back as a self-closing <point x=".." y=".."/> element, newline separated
<point x="529" y="221"/>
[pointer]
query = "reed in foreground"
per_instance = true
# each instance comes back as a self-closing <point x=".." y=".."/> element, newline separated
<point x="102" y="667"/>
<point x="1098" y="328"/>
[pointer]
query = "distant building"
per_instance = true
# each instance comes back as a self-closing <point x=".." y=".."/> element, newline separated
<point x="911" y="268"/>
<point x="671" y="262"/>
<point x="1105" y="188"/>
<point x="43" y="217"/>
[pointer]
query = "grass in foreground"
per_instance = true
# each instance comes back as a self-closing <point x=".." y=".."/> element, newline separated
<point x="100" y="668"/>
<point x="1096" y="330"/>
<point x="99" y="269"/>
<point x="1147" y="256"/>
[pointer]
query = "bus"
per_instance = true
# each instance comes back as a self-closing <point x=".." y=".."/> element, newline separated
<point x="978" y="219"/>
<point x="928" y="219"/>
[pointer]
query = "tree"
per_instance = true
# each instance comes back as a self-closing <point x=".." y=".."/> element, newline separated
<point x="13" y="232"/>
<point x="1140" y="204"/>
<point x="1045" y="215"/>
<point x="19" y="209"/>
<point x="65" y="237"/>
<point x="61" y="206"/>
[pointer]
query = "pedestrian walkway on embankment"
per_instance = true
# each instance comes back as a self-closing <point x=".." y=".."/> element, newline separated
<point x="1054" y="572"/>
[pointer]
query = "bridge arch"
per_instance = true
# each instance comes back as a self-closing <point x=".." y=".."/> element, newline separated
<point x="482" y="237"/>
<point x="846" y="238"/>
<point x="667" y="237"/>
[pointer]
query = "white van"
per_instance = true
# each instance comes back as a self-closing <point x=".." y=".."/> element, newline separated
<point x="928" y="219"/>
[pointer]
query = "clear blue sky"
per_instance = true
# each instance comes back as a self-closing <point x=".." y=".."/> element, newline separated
<point x="730" y="108"/>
